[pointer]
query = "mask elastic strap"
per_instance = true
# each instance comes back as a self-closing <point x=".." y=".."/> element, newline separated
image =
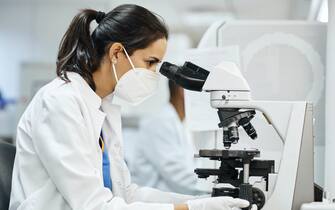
<point x="131" y="63"/>
<point x="114" y="70"/>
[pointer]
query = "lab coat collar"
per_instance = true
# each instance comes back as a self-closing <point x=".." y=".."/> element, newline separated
<point x="88" y="94"/>
<point x="93" y="101"/>
<point x="101" y="108"/>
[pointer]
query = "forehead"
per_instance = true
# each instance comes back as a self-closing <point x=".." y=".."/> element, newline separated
<point x="156" y="49"/>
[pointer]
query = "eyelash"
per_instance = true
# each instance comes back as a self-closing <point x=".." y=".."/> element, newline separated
<point x="151" y="62"/>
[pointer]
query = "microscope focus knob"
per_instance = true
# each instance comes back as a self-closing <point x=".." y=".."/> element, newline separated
<point x="258" y="197"/>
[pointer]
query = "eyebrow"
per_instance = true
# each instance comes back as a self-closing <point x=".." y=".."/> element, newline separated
<point x="155" y="59"/>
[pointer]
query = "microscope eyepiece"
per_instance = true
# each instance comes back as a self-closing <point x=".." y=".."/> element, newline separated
<point x="188" y="76"/>
<point x="169" y="70"/>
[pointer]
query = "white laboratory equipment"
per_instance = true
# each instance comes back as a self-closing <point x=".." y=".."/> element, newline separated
<point x="282" y="61"/>
<point x="292" y="121"/>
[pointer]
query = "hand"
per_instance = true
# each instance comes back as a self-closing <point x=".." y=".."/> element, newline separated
<point x="217" y="203"/>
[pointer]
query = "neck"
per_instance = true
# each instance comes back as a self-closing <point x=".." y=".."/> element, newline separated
<point x="104" y="82"/>
<point x="179" y="106"/>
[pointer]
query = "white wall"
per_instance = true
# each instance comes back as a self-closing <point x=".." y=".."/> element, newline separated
<point x="31" y="31"/>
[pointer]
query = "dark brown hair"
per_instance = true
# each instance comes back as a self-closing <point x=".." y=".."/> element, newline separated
<point x="173" y="88"/>
<point x="133" y="26"/>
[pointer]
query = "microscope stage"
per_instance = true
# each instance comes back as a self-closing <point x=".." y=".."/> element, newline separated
<point x="230" y="154"/>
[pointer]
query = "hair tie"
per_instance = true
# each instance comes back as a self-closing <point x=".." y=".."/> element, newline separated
<point x="100" y="16"/>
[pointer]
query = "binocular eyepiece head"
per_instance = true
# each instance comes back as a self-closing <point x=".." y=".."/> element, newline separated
<point x="189" y="76"/>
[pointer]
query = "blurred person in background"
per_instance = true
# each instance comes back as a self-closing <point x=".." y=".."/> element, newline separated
<point x="163" y="156"/>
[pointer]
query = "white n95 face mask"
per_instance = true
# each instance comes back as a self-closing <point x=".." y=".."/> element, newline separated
<point x="136" y="85"/>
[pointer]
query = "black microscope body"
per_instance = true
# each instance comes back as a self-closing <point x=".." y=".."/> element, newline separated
<point x="236" y="166"/>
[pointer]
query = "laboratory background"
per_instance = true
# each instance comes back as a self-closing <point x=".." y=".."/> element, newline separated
<point x="281" y="51"/>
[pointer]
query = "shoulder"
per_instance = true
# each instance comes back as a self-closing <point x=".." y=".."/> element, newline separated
<point x="58" y="94"/>
<point x="55" y="99"/>
<point x="163" y="122"/>
<point x="166" y="115"/>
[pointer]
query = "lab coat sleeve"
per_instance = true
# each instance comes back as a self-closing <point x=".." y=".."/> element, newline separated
<point x="60" y="139"/>
<point x="135" y="193"/>
<point x="148" y="194"/>
<point x="167" y="156"/>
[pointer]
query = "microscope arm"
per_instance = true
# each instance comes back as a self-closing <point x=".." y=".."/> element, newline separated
<point x="276" y="113"/>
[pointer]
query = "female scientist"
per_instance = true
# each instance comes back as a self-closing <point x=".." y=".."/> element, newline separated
<point x="69" y="146"/>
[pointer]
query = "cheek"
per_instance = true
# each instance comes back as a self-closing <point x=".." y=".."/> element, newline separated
<point x="153" y="67"/>
<point x="122" y="67"/>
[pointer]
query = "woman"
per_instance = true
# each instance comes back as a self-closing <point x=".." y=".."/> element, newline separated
<point x="69" y="148"/>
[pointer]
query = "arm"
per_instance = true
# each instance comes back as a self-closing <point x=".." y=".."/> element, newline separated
<point x="148" y="194"/>
<point x="62" y="144"/>
<point x="135" y="193"/>
<point x="168" y="157"/>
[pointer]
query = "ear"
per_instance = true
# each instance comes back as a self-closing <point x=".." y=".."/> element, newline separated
<point x="114" y="49"/>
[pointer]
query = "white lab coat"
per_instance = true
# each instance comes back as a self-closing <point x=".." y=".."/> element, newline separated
<point x="58" y="164"/>
<point x="163" y="156"/>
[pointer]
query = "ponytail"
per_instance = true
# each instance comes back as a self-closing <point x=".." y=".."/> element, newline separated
<point x="76" y="51"/>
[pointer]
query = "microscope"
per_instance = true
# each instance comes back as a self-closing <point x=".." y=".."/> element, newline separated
<point x="292" y="121"/>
